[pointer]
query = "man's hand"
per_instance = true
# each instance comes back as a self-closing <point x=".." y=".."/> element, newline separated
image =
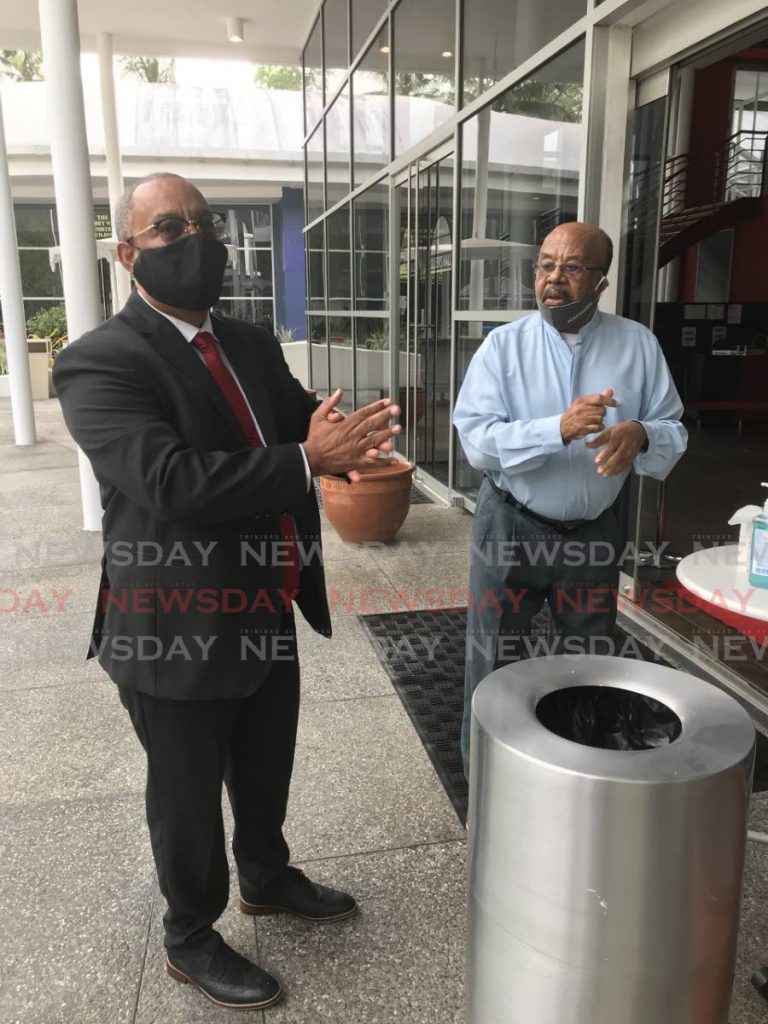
<point x="337" y="444"/>
<point x="586" y="415"/>
<point x="620" y="446"/>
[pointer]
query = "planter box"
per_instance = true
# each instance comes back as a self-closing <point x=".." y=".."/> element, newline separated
<point x="39" y="359"/>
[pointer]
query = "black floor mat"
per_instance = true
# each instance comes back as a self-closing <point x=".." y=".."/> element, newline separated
<point x="423" y="654"/>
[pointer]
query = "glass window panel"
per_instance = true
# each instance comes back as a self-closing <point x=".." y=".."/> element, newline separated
<point x="313" y="78"/>
<point x="315" y="186"/>
<point x="371" y="359"/>
<point x="337" y="148"/>
<point x="371" y="121"/>
<point x="468" y="340"/>
<point x="36" y="225"/>
<point x="253" y="311"/>
<point x="500" y="34"/>
<point x="520" y="179"/>
<point x="316" y="264"/>
<point x="340" y="337"/>
<point x="425" y="86"/>
<point x="339" y="277"/>
<point x="318" y="353"/>
<point x="37" y="278"/>
<point x="365" y="14"/>
<point x="336" y="44"/>
<point x="371" y="238"/>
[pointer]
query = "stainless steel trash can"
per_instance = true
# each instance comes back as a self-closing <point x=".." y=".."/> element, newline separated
<point x="604" y="884"/>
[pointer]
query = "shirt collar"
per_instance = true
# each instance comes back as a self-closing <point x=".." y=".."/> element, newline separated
<point x="189" y="331"/>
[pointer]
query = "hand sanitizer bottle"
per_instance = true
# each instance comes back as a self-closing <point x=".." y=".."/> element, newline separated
<point x="758" y="562"/>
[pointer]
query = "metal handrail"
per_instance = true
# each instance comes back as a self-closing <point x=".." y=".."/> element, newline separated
<point x="741" y="171"/>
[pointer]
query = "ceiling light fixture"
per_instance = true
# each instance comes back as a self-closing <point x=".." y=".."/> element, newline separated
<point x="447" y="53"/>
<point x="235" y="30"/>
<point x="384" y="49"/>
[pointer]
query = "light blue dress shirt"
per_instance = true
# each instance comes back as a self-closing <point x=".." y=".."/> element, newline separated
<point x="523" y="378"/>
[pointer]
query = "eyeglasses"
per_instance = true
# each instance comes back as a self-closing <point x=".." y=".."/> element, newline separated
<point x="570" y="269"/>
<point x="170" y="229"/>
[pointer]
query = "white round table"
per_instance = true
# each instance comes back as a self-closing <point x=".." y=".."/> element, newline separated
<point x="714" y="575"/>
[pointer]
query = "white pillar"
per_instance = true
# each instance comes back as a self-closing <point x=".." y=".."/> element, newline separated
<point x="74" y="198"/>
<point x="14" y="324"/>
<point x="122" y="279"/>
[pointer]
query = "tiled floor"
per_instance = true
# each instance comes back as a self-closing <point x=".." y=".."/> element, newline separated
<point x="79" y="908"/>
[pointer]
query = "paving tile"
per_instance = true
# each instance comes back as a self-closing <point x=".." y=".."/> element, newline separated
<point x="426" y="582"/>
<point x="362" y="781"/>
<point x="400" y="959"/>
<point x="341" y="667"/>
<point x="67" y="742"/>
<point x="38" y="675"/>
<point x="46" y="537"/>
<point x="59" y="590"/>
<point x="74" y="896"/>
<point x="43" y="636"/>
<point x="747" y="1006"/>
<point x="44" y="455"/>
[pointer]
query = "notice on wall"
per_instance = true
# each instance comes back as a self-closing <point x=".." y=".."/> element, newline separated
<point x="102" y="225"/>
<point x="734" y="314"/>
<point x="719" y="335"/>
<point x="715" y="311"/>
<point x="694" y="312"/>
<point x="689" y="337"/>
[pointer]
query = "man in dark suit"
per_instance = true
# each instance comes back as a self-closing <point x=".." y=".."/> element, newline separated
<point x="204" y="447"/>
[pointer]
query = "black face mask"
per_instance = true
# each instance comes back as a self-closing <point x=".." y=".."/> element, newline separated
<point x="187" y="274"/>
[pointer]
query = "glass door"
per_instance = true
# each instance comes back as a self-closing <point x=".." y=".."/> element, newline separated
<point x="426" y="279"/>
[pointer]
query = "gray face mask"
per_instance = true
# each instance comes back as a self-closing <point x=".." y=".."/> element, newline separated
<point x="570" y="318"/>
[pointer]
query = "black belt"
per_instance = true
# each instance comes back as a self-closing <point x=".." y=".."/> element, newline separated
<point x="562" y="526"/>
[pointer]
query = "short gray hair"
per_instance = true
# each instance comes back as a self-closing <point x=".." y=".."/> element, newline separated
<point x="123" y="213"/>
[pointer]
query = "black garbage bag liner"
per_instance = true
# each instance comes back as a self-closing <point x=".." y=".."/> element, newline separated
<point x="610" y="718"/>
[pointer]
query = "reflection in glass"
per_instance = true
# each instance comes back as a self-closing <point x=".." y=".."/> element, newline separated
<point x="318" y="354"/>
<point x="469" y="338"/>
<point x="336" y="44"/>
<point x="371" y="227"/>
<point x="316" y="266"/>
<point x="340" y="337"/>
<point x="429" y="396"/>
<point x="519" y="179"/>
<point x="339" y="277"/>
<point x="500" y="34"/>
<point x="315" y="186"/>
<point x="371" y="359"/>
<point x="313" y="78"/>
<point x="365" y="14"/>
<point x="337" y="148"/>
<point x="425" y="81"/>
<point x="371" y="120"/>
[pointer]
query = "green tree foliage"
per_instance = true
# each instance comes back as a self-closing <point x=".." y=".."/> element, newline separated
<point x="551" y="101"/>
<point x="278" y="76"/>
<point x="150" y="69"/>
<point x="49" y="323"/>
<point x="22" y="65"/>
<point x="430" y="86"/>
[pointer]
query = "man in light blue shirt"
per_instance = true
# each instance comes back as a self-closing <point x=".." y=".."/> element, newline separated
<point x="557" y="408"/>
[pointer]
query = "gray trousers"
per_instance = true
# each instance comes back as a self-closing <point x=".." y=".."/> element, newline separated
<point x="516" y="564"/>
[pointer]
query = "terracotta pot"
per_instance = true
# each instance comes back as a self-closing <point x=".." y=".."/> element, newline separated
<point x="373" y="509"/>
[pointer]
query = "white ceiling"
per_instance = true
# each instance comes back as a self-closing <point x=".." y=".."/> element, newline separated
<point x="275" y="30"/>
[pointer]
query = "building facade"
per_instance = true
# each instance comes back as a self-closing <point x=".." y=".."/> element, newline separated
<point x="445" y="138"/>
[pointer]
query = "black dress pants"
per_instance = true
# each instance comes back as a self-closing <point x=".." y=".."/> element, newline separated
<point x="193" y="748"/>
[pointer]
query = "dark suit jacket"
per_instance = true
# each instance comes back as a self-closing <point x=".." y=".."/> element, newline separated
<point x="191" y="604"/>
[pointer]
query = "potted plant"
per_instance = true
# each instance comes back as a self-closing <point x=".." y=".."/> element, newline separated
<point x="50" y="323"/>
<point x="374" y="508"/>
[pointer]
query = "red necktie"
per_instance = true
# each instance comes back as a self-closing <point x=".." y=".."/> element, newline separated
<point x="205" y="343"/>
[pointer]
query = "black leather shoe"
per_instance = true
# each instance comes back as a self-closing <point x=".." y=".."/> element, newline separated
<point x="293" y="893"/>
<point x="226" y="978"/>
